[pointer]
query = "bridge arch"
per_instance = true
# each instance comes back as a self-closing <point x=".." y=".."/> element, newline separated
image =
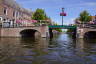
<point x="30" y="33"/>
<point x="90" y="34"/>
<point x="19" y="31"/>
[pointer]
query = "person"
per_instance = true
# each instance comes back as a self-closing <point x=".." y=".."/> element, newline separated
<point x="91" y="22"/>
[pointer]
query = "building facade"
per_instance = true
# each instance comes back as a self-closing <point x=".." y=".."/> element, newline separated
<point x="94" y="18"/>
<point x="10" y="12"/>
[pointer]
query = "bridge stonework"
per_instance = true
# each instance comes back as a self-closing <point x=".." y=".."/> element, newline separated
<point x="81" y="31"/>
<point x="15" y="32"/>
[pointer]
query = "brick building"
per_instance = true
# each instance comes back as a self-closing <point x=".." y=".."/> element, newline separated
<point x="10" y="12"/>
<point x="93" y="18"/>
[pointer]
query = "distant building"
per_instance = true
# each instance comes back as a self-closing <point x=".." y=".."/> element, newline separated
<point x="93" y="18"/>
<point x="10" y="12"/>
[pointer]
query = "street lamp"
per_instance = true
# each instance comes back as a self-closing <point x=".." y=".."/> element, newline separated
<point x="62" y="14"/>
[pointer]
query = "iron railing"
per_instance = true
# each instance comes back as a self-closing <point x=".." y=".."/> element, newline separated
<point x="86" y="25"/>
<point x="15" y="25"/>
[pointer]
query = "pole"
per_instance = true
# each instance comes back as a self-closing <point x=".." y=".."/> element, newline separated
<point x="62" y="20"/>
<point x="62" y="15"/>
<point x="15" y="19"/>
<point x="40" y="23"/>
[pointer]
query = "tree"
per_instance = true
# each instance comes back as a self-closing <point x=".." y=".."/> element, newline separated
<point x="39" y="14"/>
<point x="85" y="17"/>
<point x="59" y="30"/>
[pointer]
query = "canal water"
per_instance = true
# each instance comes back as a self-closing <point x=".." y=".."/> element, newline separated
<point x="62" y="49"/>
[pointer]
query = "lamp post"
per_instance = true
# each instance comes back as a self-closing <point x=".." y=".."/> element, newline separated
<point x="62" y="14"/>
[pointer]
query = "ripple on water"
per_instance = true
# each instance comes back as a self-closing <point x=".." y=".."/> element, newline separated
<point x="61" y="50"/>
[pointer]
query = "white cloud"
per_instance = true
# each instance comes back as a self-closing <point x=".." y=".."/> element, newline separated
<point x="88" y="4"/>
<point x="70" y="21"/>
<point x="39" y="1"/>
<point x="66" y="21"/>
<point x="82" y="4"/>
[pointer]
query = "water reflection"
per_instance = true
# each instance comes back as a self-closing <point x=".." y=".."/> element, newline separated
<point x="62" y="49"/>
<point x="86" y="44"/>
<point x="86" y="49"/>
<point x="9" y="48"/>
<point x="14" y="49"/>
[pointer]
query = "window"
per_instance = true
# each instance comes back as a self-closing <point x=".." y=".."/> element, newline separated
<point x="13" y="13"/>
<point x="0" y="18"/>
<point x="5" y="11"/>
<point x="17" y="14"/>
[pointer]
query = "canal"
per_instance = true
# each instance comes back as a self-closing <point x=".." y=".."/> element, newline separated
<point x="62" y="49"/>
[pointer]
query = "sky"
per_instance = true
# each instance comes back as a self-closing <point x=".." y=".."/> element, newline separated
<point x="53" y="8"/>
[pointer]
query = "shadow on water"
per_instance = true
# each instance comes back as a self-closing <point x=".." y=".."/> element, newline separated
<point x="87" y="46"/>
<point x="53" y="41"/>
<point x="28" y="40"/>
<point x="90" y="40"/>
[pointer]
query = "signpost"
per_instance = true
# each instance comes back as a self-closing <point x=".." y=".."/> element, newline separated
<point x="62" y="14"/>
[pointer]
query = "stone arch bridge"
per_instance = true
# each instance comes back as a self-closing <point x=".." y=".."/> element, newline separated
<point x="83" y="32"/>
<point x="42" y="31"/>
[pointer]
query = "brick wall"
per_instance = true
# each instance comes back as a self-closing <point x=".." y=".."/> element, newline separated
<point x="1" y="9"/>
<point x="25" y="14"/>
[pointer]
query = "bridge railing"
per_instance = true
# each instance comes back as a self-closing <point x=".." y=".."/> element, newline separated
<point x="8" y="25"/>
<point x="86" y="25"/>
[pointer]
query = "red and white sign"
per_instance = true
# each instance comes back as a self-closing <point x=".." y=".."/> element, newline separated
<point x="62" y="14"/>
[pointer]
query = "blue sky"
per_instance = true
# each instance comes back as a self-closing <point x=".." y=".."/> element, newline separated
<point x="53" y="8"/>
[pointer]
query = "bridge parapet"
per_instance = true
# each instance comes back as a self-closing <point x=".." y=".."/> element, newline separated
<point x="62" y="26"/>
<point x="15" y="32"/>
<point x="86" y="25"/>
<point x="82" y="30"/>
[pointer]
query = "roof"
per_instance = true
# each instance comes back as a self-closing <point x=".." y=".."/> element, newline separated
<point x="15" y="5"/>
<point x="12" y="3"/>
<point x="93" y="17"/>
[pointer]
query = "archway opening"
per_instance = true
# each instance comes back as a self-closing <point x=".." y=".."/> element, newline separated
<point x="28" y="33"/>
<point x="90" y="34"/>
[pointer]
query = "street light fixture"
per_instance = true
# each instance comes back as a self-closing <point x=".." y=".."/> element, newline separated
<point x="62" y="14"/>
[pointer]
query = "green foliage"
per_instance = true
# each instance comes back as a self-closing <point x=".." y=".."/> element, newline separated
<point x="59" y="30"/>
<point x="85" y="17"/>
<point x="39" y="14"/>
<point x="70" y="30"/>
